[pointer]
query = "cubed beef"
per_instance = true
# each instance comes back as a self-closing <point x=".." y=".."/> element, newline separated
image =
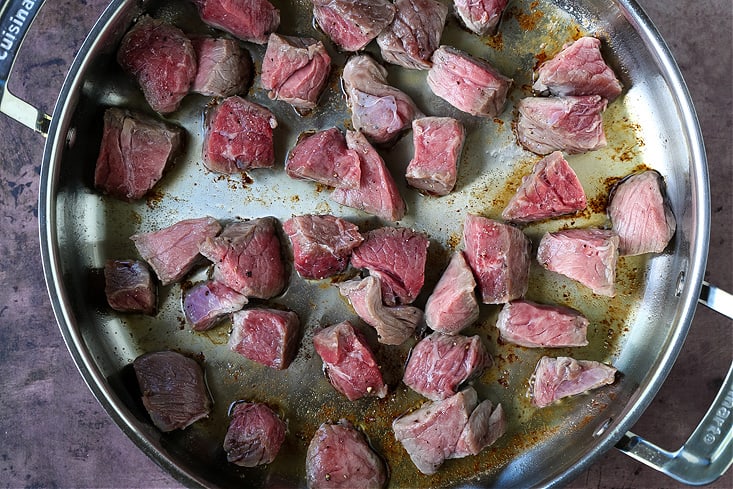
<point x="438" y="142"/>
<point x="238" y="136"/>
<point x="414" y="33"/>
<point x="322" y="244"/>
<point x="485" y="425"/>
<point x="266" y="336"/>
<point x="129" y="286"/>
<point x="254" y="436"/>
<point x="480" y="16"/>
<point x="551" y="190"/>
<point x="162" y="60"/>
<point x="641" y="214"/>
<point x="377" y="192"/>
<point x="207" y="303"/>
<point x="247" y="258"/>
<point x="135" y="151"/>
<point x="349" y="362"/>
<point x="249" y="20"/>
<point x="173" y="389"/>
<point x="468" y="83"/>
<point x="378" y="110"/>
<point x="339" y="457"/>
<point x="295" y="70"/>
<point x="499" y="256"/>
<point x="570" y="124"/>
<point x="324" y="158"/>
<point x="440" y="363"/>
<point x="173" y="251"/>
<point x="224" y="67"/>
<point x="533" y="325"/>
<point x="397" y="256"/>
<point x="453" y="306"/>
<point x="393" y="324"/>
<point x="578" y="69"/>
<point x="351" y="24"/>
<point x="555" y="378"/>
<point x="588" y="256"/>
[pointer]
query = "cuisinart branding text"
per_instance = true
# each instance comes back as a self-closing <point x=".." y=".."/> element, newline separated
<point x="15" y="25"/>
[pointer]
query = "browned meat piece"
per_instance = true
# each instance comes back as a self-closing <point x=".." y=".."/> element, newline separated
<point x="173" y="389"/>
<point x="173" y="251"/>
<point x="339" y="457"/>
<point x="453" y="306"/>
<point x="224" y="67"/>
<point x="162" y="60"/>
<point x="570" y="124"/>
<point x="485" y="425"/>
<point x="249" y="20"/>
<point x="535" y="325"/>
<point x="254" y="436"/>
<point x="469" y="84"/>
<point x="588" y="256"/>
<point x="238" y="136"/>
<point x="498" y="254"/>
<point x="555" y="378"/>
<point x="324" y="158"/>
<point x="206" y="304"/>
<point x="578" y="69"/>
<point x="351" y="24"/>
<point x="135" y="151"/>
<point x="295" y="70"/>
<point x="641" y="214"/>
<point x="438" y="142"/>
<point x="129" y="287"/>
<point x="414" y="33"/>
<point x="349" y="362"/>
<point x="480" y="16"/>
<point x="266" y="336"/>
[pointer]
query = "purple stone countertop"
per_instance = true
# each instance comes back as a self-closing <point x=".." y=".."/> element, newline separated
<point x="53" y="433"/>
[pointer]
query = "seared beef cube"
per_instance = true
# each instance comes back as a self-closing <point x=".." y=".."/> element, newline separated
<point x="349" y="362"/>
<point x="480" y="16"/>
<point x="322" y="245"/>
<point x="254" y="436"/>
<point x="351" y="24"/>
<point x="414" y="33"/>
<point x="588" y="256"/>
<point x="381" y="112"/>
<point x="224" y="67"/>
<point x="377" y="192"/>
<point x="453" y="306"/>
<point x="467" y="83"/>
<point x="249" y="20"/>
<point x="339" y="457"/>
<point x="551" y="190"/>
<point x="578" y="69"/>
<point x="247" y="258"/>
<point x="555" y="378"/>
<point x="173" y="389"/>
<point x="238" y="136"/>
<point x="324" y="158"/>
<point x="295" y="70"/>
<point x="173" y="251"/>
<point x="162" y="60"/>
<point x="129" y="286"/>
<point x="438" y="142"/>
<point x="641" y="214"/>
<point x="485" y="425"/>
<point x="498" y="254"/>
<point x="570" y="124"/>
<point x="266" y="336"/>
<point x="393" y="324"/>
<point x="440" y="363"/>
<point x="134" y="153"/>
<point x="397" y="256"/>
<point x="535" y="325"/>
<point x="207" y="303"/>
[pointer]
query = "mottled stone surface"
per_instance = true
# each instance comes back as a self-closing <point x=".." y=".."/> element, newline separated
<point x="53" y="433"/>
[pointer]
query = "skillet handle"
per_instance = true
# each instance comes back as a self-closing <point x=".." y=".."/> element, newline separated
<point x="708" y="453"/>
<point x="16" y="17"/>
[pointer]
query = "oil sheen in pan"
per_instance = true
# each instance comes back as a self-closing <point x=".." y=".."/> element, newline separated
<point x="490" y="171"/>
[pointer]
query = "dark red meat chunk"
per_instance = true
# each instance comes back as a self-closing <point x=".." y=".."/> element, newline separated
<point x="129" y="286"/>
<point x="208" y="303"/>
<point x="555" y="378"/>
<point x="533" y="325"/>
<point x="351" y="24"/>
<point x="254" y="436"/>
<point x="324" y="158"/>
<point x="438" y="142"/>
<point x="224" y="67"/>
<point x="249" y="20"/>
<point x="453" y="306"/>
<point x="266" y="336"/>
<point x="480" y="16"/>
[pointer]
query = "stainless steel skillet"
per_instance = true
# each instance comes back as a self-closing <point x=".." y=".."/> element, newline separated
<point x="88" y="249"/>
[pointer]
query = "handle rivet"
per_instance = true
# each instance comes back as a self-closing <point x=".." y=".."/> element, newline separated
<point x="602" y="429"/>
